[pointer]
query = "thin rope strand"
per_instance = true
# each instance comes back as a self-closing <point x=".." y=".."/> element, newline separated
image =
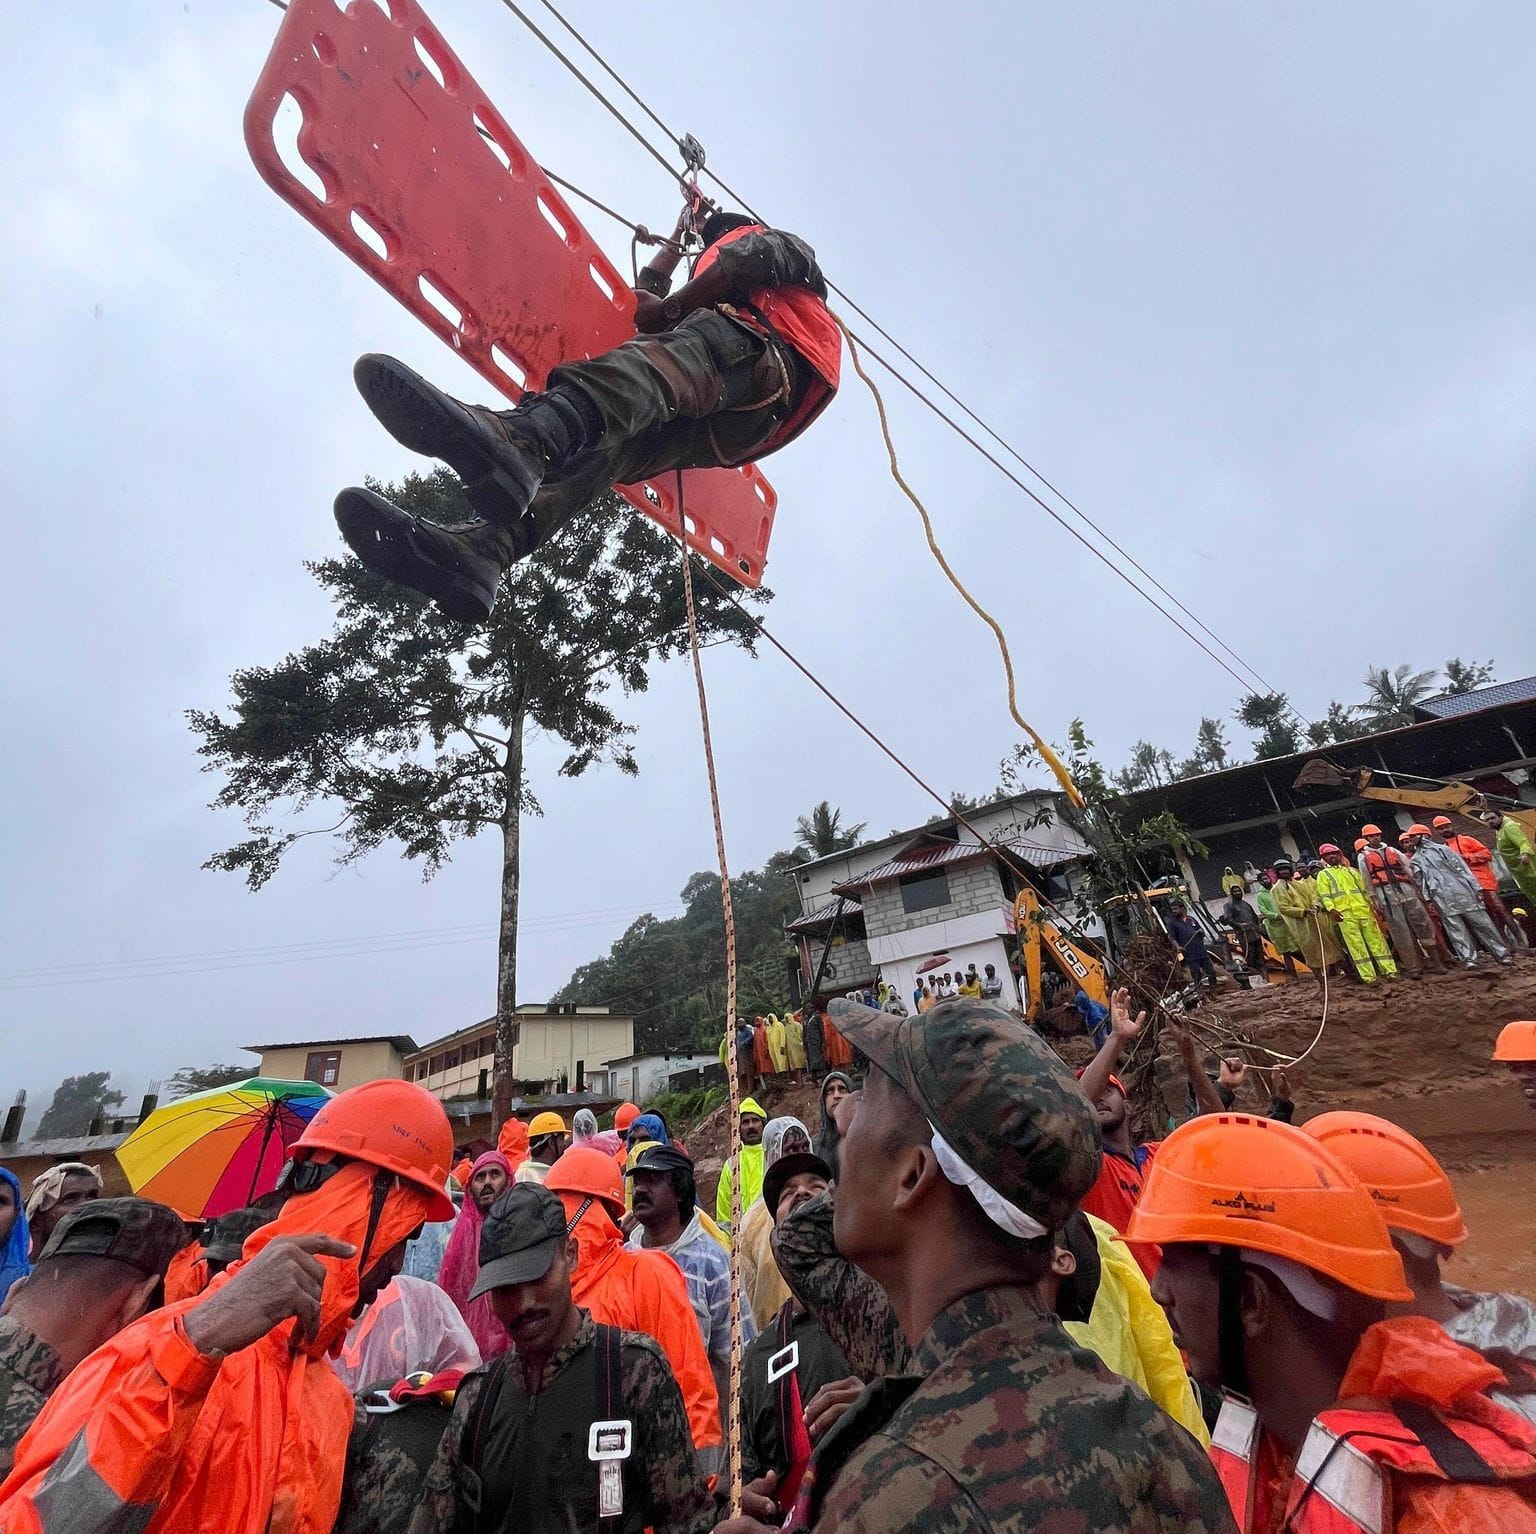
<point x="732" y="1406"/>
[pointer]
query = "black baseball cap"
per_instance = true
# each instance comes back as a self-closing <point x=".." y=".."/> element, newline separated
<point x="777" y="1177"/>
<point x="522" y="1233"/>
<point x="660" y="1158"/>
<point x="135" y="1231"/>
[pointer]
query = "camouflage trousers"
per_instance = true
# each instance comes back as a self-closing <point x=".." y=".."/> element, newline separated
<point x="708" y="393"/>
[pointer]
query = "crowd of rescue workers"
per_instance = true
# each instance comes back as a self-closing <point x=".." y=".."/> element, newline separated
<point x="969" y="1298"/>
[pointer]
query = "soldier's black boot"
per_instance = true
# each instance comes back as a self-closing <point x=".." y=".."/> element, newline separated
<point x="502" y="456"/>
<point x="457" y="567"/>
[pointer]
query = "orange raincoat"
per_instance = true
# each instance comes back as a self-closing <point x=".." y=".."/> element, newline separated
<point x="187" y="1274"/>
<point x="1363" y="1469"/>
<point x="152" y="1435"/>
<point x="512" y="1143"/>
<point x="645" y="1292"/>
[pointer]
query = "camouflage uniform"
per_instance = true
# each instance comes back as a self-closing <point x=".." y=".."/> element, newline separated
<point x="678" y="1497"/>
<point x="29" y="1371"/>
<point x="1001" y="1423"/>
<point x="388" y="1457"/>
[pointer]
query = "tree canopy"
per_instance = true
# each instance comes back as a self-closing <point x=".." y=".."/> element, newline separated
<point x="194" y="1078"/>
<point x="405" y="728"/>
<point x="76" y="1101"/>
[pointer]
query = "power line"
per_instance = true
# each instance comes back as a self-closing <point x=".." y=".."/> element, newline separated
<point x="1247" y="682"/>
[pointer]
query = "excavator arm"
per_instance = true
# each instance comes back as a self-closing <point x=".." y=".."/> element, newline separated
<point x="1038" y="936"/>
<point x="1444" y="798"/>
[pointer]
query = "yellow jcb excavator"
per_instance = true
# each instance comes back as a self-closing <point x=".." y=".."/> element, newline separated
<point x="1039" y="935"/>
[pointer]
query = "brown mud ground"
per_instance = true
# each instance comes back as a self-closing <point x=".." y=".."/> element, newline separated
<point x="1415" y="1052"/>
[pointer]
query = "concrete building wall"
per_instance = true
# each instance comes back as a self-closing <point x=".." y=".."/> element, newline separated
<point x="639" y="1081"/>
<point x="974" y="888"/>
<point x="548" y="1045"/>
<point x="360" y="1061"/>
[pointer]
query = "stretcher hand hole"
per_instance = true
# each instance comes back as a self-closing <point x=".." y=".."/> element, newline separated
<point x="370" y="234"/>
<point x="287" y="125"/>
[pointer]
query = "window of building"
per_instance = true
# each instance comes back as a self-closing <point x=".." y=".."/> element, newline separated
<point x="452" y="1060"/>
<point x="323" y="1066"/>
<point x="924" y="892"/>
<point x="488" y="1045"/>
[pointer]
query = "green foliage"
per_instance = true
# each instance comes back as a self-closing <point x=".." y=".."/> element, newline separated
<point x="1341" y="722"/>
<point x="191" y="1078"/>
<point x="400" y="722"/>
<point x="822" y="832"/>
<point x="1270" y="715"/>
<point x="671" y="973"/>
<point x="1390" y="696"/>
<point x="682" y="1110"/>
<point x="1465" y="676"/>
<point x="76" y="1101"/>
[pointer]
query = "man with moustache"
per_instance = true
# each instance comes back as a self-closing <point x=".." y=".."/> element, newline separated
<point x="579" y="1426"/>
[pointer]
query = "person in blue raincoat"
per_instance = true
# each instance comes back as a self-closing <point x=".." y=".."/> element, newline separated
<point x="15" y="1237"/>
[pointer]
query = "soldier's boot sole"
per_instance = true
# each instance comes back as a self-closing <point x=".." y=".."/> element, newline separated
<point x="411" y="552"/>
<point x="501" y="475"/>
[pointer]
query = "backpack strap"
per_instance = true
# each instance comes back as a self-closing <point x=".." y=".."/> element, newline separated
<point x="472" y="1445"/>
<point x="1454" y="1455"/>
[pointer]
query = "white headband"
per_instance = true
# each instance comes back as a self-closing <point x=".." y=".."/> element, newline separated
<point x="1301" y="1283"/>
<point x="1007" y="1217"/>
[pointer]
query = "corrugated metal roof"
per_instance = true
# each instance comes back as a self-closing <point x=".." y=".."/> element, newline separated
<point x="918" y="859"/>
<point x="1453" y="705"/>
<point x="823" y="913"/>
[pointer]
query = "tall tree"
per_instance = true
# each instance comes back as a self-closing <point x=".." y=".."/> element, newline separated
<point x="822" y="832"/>
<point x="409" y="729"/>
<point x="1464" y="676"/>
<point x="194" y="1078"/>
<point x="76" y="1101"/>
<point x="1211" y="748"/>
<point x="1341" y="722"/>
<point x="1390" y="696"/>
<point x="1272" y="719"/>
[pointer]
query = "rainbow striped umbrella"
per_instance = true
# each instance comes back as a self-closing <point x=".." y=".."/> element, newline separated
<point x="217" y="1150"/>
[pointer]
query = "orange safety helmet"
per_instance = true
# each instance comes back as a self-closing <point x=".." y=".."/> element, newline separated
<point x="625" y="1115"/>
<point x="1440" y="820"/>
<point x="546" y="1123"/>
<point x="1229" y="1179"/>
<point x="1517" y="1043"/>
<point x="1409" y="1186"/>
<point x="1370" y="830"/>
<point x="1359" y="844"/>
<point x="1418" y="828"/>
<point x="591" y="1173"/>
<point x="1402" y="836"/>
<point x="396" y="1126"/>
<point x="1325" y="849"/>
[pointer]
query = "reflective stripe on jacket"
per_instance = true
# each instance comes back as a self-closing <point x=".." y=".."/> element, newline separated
<point x="1426" y="1450"/>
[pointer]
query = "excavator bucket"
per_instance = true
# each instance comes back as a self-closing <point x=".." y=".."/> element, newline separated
<point x="1321" y="773"/>
<point x="368" y="124"/>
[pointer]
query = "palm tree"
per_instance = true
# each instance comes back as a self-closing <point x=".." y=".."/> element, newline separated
<point x="821" y="832"/>
<point x="1390" y="696"/>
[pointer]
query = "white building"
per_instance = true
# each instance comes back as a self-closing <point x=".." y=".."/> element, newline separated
<point x="639" y="1078"/>
<point x="879" y="910"/>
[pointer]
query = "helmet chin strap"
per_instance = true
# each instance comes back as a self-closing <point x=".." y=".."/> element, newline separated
<point x="1229" y="1320"/>
<point x="383" y="1185"/>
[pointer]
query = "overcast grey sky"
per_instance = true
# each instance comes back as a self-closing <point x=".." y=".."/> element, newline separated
<point x="1252" y="284"/>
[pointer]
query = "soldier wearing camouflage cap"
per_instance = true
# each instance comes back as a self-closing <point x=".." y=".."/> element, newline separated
<point x="104" y="1266"/>
<point x="967" y="1147"/>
